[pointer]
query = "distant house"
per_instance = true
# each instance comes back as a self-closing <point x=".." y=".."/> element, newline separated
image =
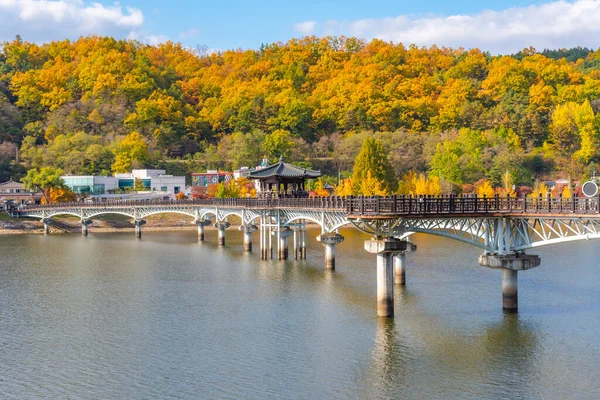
<point x="16" y="193"/>
<point x="210" y="177"/>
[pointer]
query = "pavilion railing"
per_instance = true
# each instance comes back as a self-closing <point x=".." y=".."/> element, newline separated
<point x="377" y="206"/>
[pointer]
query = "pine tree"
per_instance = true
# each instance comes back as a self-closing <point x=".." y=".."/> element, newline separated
<point x="373" y="160"/>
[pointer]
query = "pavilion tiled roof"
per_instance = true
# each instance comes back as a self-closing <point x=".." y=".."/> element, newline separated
<point x="284" y="170"/>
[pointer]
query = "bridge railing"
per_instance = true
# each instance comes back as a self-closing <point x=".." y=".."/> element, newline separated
<point x="419" y="205"/>
<point x="382" y="206"/>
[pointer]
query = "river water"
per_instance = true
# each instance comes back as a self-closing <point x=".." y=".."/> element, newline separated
<point x="112" y="317"/>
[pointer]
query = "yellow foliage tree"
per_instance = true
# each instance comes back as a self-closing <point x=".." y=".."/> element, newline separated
<point x="566" y="193"/>
<point x="541" y="189"/>
<point x="485" y="189"/>
<point x="181" y="196"/>
<point x="319" y="189"/>
<point x="419" y="185"/>
<point x="59" y="195"/>
<point x="372" y="186"/>
<point x="132" y="148"/>
<point x="344" y="188"/>
<point x="407" y="183"/>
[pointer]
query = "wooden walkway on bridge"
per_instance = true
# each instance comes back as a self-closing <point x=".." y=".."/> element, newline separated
<point x="386" y="207"/>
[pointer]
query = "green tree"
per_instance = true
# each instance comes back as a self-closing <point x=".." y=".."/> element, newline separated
<point x="132" y="149"/>
<point x="44" y="180"/>
<point x="372" y="165"/>
<point x="278" y="144"/>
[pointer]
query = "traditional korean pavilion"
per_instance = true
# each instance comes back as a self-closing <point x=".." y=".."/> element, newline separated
<point x="282" y="178"/>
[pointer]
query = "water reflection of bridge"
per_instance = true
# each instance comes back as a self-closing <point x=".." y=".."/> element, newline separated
<point x="503" y="227"/>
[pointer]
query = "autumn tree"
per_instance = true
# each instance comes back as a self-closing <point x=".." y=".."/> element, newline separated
<point x="278" y="144"/>
<point x="130" y="151"/>
<point x="44" y="180"/>
<point x="372" y="166"/>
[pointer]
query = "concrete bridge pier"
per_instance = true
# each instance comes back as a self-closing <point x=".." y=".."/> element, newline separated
<point x="385" y="249"/>
<point x="329" y="240"/>
<point x="138" y="228"/>
<point x="296" y="242"/>
<point x="263" y="244"/>
<point x="221" y="226"/>
<point x="510" y="264"/>
<point x="265" y="238"/>
<point x="201" y="224"/>
<point x="282" y="248"/>
<point x="84" y="226"/>
<point x="248" y="230"/>
<point x="400" y="264"/>
<point x="46" y="226"/>
<point x="302" y="239"/>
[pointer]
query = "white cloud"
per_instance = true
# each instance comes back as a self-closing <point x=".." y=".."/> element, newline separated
<point x="306" y="27"/>
<point x="551" y="25"/>
<point x="46" y="20"/>
<point x="188" y="34"/>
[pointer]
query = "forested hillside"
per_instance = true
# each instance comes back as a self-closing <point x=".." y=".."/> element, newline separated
<point x="98" y="105"/>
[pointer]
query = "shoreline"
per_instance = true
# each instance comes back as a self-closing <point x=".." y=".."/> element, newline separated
<point x="39" y="231"/>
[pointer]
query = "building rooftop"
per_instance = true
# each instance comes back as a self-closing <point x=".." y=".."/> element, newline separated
<point x="284" y="170"/>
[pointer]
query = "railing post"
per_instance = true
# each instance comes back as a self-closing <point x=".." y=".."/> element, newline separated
<point x="549" y="197"/>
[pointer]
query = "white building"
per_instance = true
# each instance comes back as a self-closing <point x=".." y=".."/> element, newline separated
<point x="154" y="181"/>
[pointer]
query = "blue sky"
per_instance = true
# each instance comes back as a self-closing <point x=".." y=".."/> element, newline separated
<point x="498" y="26"/>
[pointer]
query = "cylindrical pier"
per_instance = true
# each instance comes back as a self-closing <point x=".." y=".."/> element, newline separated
<point x="248" y="230"/>
<point x="510" y="295"/>
<point x="138" y="228"/>
<point x="248" y="241"/>
<point x="283" y="247"/>
<point x="221" y="226"/>
<point x="46" y="227"/>
<point x="400" y="269"/>
<point x="295" y="239"/>
<point x="329" y="256"/>
<point x="201" y="224"/>
<point x="385" y="250"/>
<point x="329" y="240"/>
<point x="303" y="242"/>
<point x="84" y="227"/>
<point x="385" y="285"/>
<point x="510" y="264"/>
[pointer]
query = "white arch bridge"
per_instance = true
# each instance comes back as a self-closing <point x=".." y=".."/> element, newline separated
<point x="503" y="227"/>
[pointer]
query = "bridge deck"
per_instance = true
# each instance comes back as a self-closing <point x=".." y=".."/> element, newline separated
<point x="381" y="207"/>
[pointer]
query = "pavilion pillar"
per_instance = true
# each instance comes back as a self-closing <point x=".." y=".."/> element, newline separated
<point x="221" y="226"/>
<point x="202" y="223"/>
<point x="329" y="240"/>
<point x="248" y="230"/>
